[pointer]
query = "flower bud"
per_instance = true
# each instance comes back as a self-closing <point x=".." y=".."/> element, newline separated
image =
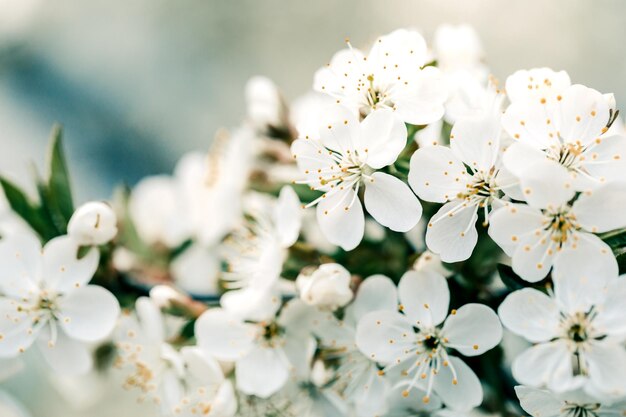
<point x="327" y="287"/>
<point x="94" y="223"/>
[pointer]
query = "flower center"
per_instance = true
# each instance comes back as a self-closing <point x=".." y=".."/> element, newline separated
<point x="578" y="327"/>
<point x="580" y="410"/>
<point x="375" y="97"/>
<point x="271" y="334"/>
<point x="561" y="224"/>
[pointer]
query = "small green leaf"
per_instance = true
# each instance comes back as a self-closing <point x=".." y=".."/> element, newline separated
<point x="58" y="196"/>
<point x="32" y="213"/>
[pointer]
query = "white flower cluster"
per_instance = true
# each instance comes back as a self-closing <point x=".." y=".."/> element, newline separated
<point x="345" y="255"/>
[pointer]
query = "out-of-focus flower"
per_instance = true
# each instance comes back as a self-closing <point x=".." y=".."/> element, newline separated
<point x="265" y="353"/>
<point x="578" y="330"/>
<point x="392" y="76"/>
<point x="45" y="298"/>
<point x="537" y="83"/>
<point x="429" y="261"/>
<point x="93" y="223"/>
<point x="10" y="407"/>
<point x="535" y="236"/>
<point x="414" y="342"/>
<point x="328" y="287"/>
<point x="183" y="382"/>
<point x="348" y="155"/>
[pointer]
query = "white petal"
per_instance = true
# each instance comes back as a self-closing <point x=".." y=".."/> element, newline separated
<point x="150" y="319"/>
<point x="63" y="271"/>
<point x="196" y="270"/>
<point x="538" y="403"/>
<point x="536" y="83"/>
<point x="391" y="202"/>
<point x="383" y="336"/>
<point x="421" y="101"/>
<point x="342" y="227"/>
<point x="202" y="368"/>
<point x="262" y="372"/>
<point x="601" y="210"/>
<point x="508" y="225"/>
<point x="451" y="232"/>
<point x="377" y="292"/>
<point x="546" y="184"/>
<point x="252" y="303"/>
<point x="66" y="356"/>
<point x="531" y="314"/>
<point x="582" y="271"/>
<point x="531" y="123"/>
<point x="607" y="367"/>
<point x="288" y="216"/>
<point x="519" y="156"/>
<point x="476" y="141"/>
<point x="583" y="115"/>
<point x="93" y="223"/>
<point x="606" y="160"/>
<point x="533" y="257"/>
<point x="223" y="335"/>
<point x="341" y="135"/>
<point x="545" y="364"/>
<point x="16" y="329"/>
<point x="436" y="174"/>
<point x="473" y="330"/>
<point x="466" y="394"/>
<point x="20" y="256"/>
<point x="611" y="317"/>
<point x="89" y="313"/>
<point x="299" y="350"/>
<point x="425" y="297"/>
<point x="383" y="137"/>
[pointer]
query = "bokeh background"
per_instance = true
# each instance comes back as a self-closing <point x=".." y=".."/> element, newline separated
<point x="138" y="83"/>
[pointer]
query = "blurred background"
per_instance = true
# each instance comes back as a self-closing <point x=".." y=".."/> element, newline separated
<point x="138" y="83"/>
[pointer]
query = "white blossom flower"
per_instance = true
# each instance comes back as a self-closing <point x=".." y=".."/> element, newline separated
<point x="392" y="76"/>
<point x="182" y="382"/>
<point x="93" y="223"/>
<point x="578" y="331"/>
<point x="327" y="287"/>
<point x="413" y="341"/>
<point x="543" y="403"/>
<point x="536" y="235"/>
<point x="255" y="253"/>
<point x="357" y="378"/>
<point x="466" y="177"/>
<point x="429" y="261"/>
<point x="265" y="105"/>
<point x="347" y="156"/>
<point x="44" y="297"/>
<point x="264" y="353"/>
<point x="564" y="139"/>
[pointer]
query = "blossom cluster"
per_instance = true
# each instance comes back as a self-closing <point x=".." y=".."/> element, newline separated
<point x="408" y="238"/>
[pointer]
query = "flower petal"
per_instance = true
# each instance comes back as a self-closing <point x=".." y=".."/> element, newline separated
<point x="583" y="114"/>
<point x="63" y="271"/>
<point x="88" y="314"/>
<point x="20" y="256"/>
<point x="533" y="257"/>
<point x="288" y="216"/>
<point x="422" y="101"/>
<point x="262" y="372"/>
<point x="476" y="140"/>
<point x="342" y="224"/>
<point x="601" y="210"/>
<point x="606" y="160"/>
<point x="466" y="393"/>
<point x="607" y="367"/>
<point x="436" y="174"/>
<point x="377" y="292"/>
<point x="536" y="83"/>
<point x="150" y="320"/>
<point x="538" y="403"/>
<point x="383" y="336"/>
<point x="530" y="314"/>
<point x="509" y="224"/>
<point x="545" y="364"/>
<point x="472" y="330"/>
<point x="527" y="122"/>
<point x="17" y="332"/>
<point x="611" y="318"/>
<point x="223" y="335"/>
<point x="425" y="297"/>
<point x="383" y="137"/>
<point x="451" y="232"/>
<point x="67" y="356"/>
<point x="392" y="203"/>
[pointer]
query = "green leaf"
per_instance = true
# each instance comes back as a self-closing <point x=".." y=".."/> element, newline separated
<point x="32" y="213"/>
<point x="58" y="196"/>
